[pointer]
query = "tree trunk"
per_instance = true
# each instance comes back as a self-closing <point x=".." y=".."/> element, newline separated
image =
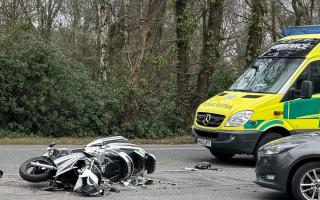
<point x="259" y="9"/>
<point x="183" y="33"/>
<point x="40" y="16"/>
<point x="126" y="33"/>
<point x="76" y="7"/>
<point x="311" y="9"/>
<point x="157" y="30"/>
<point x="135" y="67"/>
<point x="103" y="16"/>
<point x="273" y="21"/>
<point x="298" y="11"/>
<point x="47" y="12"/>
<point x="212" y="25"/>
<point x="144" y="28"/>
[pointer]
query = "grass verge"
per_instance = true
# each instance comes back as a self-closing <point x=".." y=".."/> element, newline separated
<point x="85" y="140"/>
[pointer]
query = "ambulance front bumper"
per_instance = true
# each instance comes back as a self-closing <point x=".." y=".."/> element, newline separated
<point x="233" y="142"/>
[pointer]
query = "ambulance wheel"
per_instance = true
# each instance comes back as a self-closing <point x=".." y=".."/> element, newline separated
<point x="268" y="137"/>
<point x="221" y="156"/>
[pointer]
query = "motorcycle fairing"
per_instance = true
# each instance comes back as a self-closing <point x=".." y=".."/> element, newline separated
<point x="66" y="163"/>
<point x="88" y="176"/>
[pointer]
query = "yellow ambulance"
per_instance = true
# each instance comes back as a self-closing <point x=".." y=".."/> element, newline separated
<point x="277" y="96"/>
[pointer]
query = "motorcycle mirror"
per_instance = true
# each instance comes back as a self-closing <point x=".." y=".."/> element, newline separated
<point x="52" y="144"/>
<point x="89" y="155"/>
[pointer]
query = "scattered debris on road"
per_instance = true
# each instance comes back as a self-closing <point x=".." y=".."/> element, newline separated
<point x="191" y="169"/>
<point x="149" y="182"/>
<point x="167" y="183"/>
<point x="1" y="174"/>
<point x="114" y="189"/>
<point x="203" y="165"/>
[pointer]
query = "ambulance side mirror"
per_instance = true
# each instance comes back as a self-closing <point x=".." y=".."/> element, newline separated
<point x="306" y="90"/>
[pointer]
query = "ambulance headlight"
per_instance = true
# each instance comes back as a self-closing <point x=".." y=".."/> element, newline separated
<point x="239" y="118"/>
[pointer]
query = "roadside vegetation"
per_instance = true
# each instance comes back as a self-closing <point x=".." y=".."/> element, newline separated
<point x="72" y="68"/>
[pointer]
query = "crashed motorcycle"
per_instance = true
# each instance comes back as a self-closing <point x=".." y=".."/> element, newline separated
<point x="92" y="169"/>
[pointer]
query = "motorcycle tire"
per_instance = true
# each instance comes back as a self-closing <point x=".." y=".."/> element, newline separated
<point x="37" y="174"/>
<point x="151" y="163"/>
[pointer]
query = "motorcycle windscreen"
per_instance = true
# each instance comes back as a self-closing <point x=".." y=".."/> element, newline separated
<point x="105" y="141"/>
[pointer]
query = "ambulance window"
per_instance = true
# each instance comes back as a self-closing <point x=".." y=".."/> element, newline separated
<point x="312" y="73"/>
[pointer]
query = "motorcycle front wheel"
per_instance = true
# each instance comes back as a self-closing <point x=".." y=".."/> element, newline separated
<point x="33" y="173"/>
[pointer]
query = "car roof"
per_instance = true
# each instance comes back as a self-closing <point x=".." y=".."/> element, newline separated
<point x="315" y="52"/>
<point x="304" y="36"/>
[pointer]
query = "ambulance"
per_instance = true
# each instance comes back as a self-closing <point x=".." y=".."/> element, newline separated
<point x="277" y="96"/>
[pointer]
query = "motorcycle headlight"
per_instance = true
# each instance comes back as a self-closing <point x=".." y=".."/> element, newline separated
<point x="239" y="118"/>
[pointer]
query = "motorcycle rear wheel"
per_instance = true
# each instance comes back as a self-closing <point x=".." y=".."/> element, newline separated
<point x="35" y="174"/>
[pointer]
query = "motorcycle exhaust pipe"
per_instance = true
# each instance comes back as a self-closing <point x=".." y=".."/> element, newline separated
<point x="36" y="164"/>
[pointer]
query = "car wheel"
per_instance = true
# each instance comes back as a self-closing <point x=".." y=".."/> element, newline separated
<point x="305" y="183"/>
<point x="221" y="156"/>
<point x="264" y="140"/>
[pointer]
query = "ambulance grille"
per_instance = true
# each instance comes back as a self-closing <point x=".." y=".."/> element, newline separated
<point x="209" y="119"/>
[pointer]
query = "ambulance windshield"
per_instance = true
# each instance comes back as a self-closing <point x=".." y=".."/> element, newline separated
<point x="275" y="66"/>
<point x="267" y="75"/>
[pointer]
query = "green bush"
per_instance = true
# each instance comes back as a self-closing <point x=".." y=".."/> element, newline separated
<point x="43" y="92"/>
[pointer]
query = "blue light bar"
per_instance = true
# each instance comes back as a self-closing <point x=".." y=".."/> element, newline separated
<point x="300" y="30"/>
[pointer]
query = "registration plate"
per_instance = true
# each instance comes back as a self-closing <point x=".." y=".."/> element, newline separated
<point x="206" y="143"/>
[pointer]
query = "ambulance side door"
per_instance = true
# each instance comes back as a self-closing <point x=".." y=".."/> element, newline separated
<point x="303" y="114"/>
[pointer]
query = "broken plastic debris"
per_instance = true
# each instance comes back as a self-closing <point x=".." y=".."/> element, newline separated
<point x="52" y="188"/>
<point x="191" y="169"/>
<point x="203" y="165"/>
<point x="1" y="173"/>
<point x="114" y="189"/>
<point x="149" y="182"/>
<point x="125" y="183"/>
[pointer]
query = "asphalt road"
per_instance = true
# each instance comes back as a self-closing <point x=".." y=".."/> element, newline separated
<point x="232" y="181"/>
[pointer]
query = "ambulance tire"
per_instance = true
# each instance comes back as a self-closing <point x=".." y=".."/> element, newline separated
<point x="268" y="137"/>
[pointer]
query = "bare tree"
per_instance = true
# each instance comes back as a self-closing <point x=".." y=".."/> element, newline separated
<point x="273" y="12"/>
<point x="104" y="24"/>
<point x="134" y="79"/>
<point x="212" y="25"/>
<point x="9" y="12"/>
<point x="183" y="32"/>
<point x="144" y="29"/>
<point x="298" y="11"/>
<point x="255" y="30"/>
<point x="47" y="12"/>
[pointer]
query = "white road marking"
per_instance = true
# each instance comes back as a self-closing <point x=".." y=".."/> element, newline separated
<point x="190" y="148"/>
<point x="152" y="149"/>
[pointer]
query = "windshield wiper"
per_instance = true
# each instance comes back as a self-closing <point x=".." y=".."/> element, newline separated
<point x="240" y="90"/>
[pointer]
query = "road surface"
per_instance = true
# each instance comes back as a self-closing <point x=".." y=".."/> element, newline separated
<point x="231" y="181"/>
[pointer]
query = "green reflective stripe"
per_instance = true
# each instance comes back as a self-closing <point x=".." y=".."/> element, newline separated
<point x="286" y="110"/>
<point x="271" y="123"/>
<point x="252" y="124"/>
<point x="300" y="108"/>
<point x="316" y="116"/>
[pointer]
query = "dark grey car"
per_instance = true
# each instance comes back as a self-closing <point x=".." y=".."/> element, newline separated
<point x="292" y="165"/>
